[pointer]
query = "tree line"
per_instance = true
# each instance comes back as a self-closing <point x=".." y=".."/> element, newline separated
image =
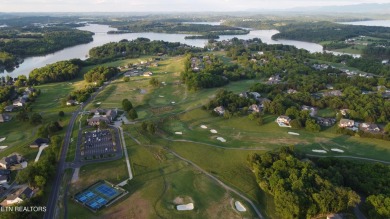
<point x="138" y="47"/>
<point x="307" y="188"/>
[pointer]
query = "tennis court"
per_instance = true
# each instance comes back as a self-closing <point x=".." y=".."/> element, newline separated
<point x="98" y="195"/>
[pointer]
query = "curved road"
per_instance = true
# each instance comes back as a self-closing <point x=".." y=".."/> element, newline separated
<point x="220" y="182"/>
<point x="212" y="177"/>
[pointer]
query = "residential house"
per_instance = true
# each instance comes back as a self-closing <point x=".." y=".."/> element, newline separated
<point x="39" y="142"/>
<point x="220" y="110"/>
<point x="29" y="90"/>
<point x="19" y="102"/>
<point x="4" y="179"/>
<point x="292" y="91"/>
<point x="370" y="127"/>
<point x="11" y="160"/>
<point x="147" y="74"/>
<point x="254" y="108"/>
<point x="102" y="115"/>
<point x="5" y="117"/>
<point x="9" y="108"/>
<point x="4" y="176"/>
<point x="313" y="110"/>
<point x="274" y="79"/>
<point x="326" y="121"/>
<point x="334" y="216"/>
<point x="344" y="112"/>
<point x="337" y="93"/>
<point x="283" y="121"/>
<point x="381" y="88"/>
<point x="71" y="102"/>
<point x="344" y="123"/>
<point x="255" y="95"/>
<point x="329" y="87"/>
<point x="263" y="101"/>
<point x="18" y="197"/>
<point x="243" y="94"/>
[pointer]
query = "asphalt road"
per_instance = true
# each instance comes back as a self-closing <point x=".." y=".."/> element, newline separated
<point x="52" y="202"/>
<point x="53" y="198"/>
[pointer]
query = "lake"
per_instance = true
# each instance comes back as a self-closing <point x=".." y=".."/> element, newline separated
<point x="380" y="23"/>
<point x="101" y="37"/>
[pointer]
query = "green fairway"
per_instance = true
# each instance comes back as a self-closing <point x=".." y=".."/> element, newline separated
<point x="240" y="132"/>
<point x="160" y="181"/>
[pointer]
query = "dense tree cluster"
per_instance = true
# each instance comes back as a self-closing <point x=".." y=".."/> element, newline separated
<point x="328" y="31"/>
<point x="178" y="27"/>
<point x="57" y="72"/>
<point x="30" y="40"/>
<point x="213" y="73"/>
<point x="100" y="73"/>
<point x="6" y="93"/>
<point x="300" y="189"/>
<point x="232" y="103"/>
<point x="371" y="180"/>
<point x="148" y="127"/>
<point x="37" y="174"/>
<point x="81" y="95"/>
<point x="129" y="109"/>
<point x="138" y="47"/>
<point x="49" y="129"/>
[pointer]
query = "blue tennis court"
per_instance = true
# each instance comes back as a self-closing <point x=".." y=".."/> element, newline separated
<point x="98" y="195"/>
<point x="106" y="190"/>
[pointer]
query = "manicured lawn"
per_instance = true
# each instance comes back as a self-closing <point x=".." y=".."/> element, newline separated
<point x="19" y="135"/>
<point x="244" y="133"/>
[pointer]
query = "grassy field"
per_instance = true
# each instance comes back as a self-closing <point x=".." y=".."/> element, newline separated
<point x="159" y="179"/>
<point x="243" y="133"/>
<point x="48" y="105"/>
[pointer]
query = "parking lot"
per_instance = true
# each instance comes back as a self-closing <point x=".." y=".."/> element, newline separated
<point x="98" y="144"/>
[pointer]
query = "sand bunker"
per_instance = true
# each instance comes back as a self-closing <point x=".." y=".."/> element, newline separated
<point x="203" y="127"/>
<point x="187" y="207"/>
<point x="213" y="131"/>
<point x="337" y="150"/>
<point x="3" y="147"/>
<point x="221" y="139"/>
<point x="173" y="102"/>
<point x="2" y="139"/>
<point x="98" y="103"/>
<point x="160" y="95"/>
<point x="178" y="133"/>
<point x="319" y="151"/>
<point x="293" y="133"/>
<point x="239" y="206"/>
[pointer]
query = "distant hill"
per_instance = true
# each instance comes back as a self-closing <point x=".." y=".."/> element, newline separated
<point x="358" y="8"/>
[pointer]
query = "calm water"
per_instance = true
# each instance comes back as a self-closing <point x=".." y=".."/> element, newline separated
<point x="382" y="23"/>
<point x="101" y="37"/>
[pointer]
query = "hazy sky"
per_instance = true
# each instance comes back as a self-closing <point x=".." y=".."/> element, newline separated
<point x="163" y="5"/>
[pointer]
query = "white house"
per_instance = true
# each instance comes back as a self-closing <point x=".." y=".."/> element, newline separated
<point x="254" y="108"/>
<point x="283" y="121"/>
<point x="18" y="197"/>
<point x="346" y="123"/>
<point x="220" y="110"/>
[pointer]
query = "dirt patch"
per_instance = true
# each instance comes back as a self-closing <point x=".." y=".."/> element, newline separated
<point x="161" y="110"/>
<point x="180" y="200"/>
<point x="133" y="207"/>
<point x="222" y="209"/>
